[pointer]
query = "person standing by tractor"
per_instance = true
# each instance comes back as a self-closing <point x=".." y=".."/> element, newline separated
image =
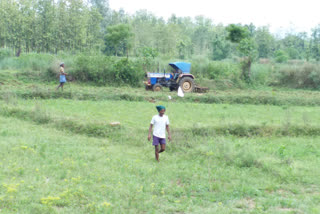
<point x="161" y="124"/>
<point x="63" y="79"/>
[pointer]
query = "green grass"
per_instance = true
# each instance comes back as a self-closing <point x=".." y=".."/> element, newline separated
<point x="92" y="117"/>
<point x="51" y="171"/>
<point x="267" y="96"/>
<point x="58" y="153"/>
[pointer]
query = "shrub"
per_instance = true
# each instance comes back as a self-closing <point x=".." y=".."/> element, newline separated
<point x="300" y="76"/>
<point x="224" y="74"/>
<point x="261" y="74"/>
<point x="223" y="70"/>
<point x="281" y="56"/>
<point x="102" y="70"/>
<point x="128" y="72"/>
<point x="5" y="52"/>
<point x="198" y="66"/>
<point x="96" y="68"/>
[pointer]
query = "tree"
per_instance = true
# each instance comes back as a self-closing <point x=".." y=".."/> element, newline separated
<point x="315" y="43"/>
<point x="236" y="33"/>
<point x="246" y="46"/>
<point x="201" y="35"/>
<point x="118" y="39"/>
<point x="265" y="42"/>
<point x="294" y="45"/>
<point x="220" y="46"/>
<point x="102" y="7"/>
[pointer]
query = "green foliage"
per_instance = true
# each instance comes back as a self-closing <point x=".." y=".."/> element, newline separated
<point x="281" y="56"/>
<point x="128" y="72"/>
<point x="222" y="70"/>
<point x="103" y="70"/>
<point x="265" y="42"/>
<point x="80" y="26"/>
<point x="181" y="46"/>
<point x="93" y="68"/>
<point x="220" y="48"/>
<point x="5" y="53"/>
<point x="293" y="53"/>
<point x="236" y="33"/>
<point x="216" y="70"/>
<point x="248" y="48"/>
<point x="118" y="39"/>
<point x="147" y="57"/>
<point x="300" y="76"/>
<point x="295" y="45"/>
<point x="261" y="74"/>
<point x="315" y="43"/>
<point x="148" y="52"/>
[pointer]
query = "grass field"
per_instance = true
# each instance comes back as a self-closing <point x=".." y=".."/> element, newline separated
<point x="58" y="153"/>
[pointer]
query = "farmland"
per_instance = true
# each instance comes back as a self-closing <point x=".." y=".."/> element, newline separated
<point x="249" y="145"/>
<point x="228" y="155"/>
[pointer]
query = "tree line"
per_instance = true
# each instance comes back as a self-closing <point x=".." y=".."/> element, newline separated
<point x="52" y="26"/>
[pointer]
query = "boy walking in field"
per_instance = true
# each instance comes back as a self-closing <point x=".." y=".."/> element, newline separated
<point x="161" y="124"/>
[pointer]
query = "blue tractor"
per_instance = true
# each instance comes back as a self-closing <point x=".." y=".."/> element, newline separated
<point x="180" y="77"/>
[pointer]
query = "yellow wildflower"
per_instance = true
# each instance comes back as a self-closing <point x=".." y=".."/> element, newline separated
<point x="106" y="204"/>
<point x="49" y="200"/>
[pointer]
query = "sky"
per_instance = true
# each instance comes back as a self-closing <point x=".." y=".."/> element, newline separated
<point x="282" y="16"/>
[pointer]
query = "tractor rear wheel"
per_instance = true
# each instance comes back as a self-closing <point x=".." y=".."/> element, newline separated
<point x="157" y="87"/>
<point x="187" y="84"/>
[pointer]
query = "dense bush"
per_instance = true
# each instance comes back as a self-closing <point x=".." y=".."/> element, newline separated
<point x="5" y="52"/>
<point x="306" y="75"/>
<point x="128" y="72"/>
<point x="223" y="70"/>
<point x="27" y="62"/>
<point x="220" y="74"/>
<point x="103" y="70"/>
<point x="281" y="56"/>
<point x="96" y="68"/>
<point x="261" y="74"/>
<point x="198" y="66"/>
<point x="214" y="70"/>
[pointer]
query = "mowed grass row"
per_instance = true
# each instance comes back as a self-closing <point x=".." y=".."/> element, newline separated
<point x="15" y="88"/>
<point x="93" y="117"/>
<point x="50" y="171"/>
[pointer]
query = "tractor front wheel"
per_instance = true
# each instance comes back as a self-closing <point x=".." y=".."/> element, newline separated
<point x="157" y="87"/>
<point x="187" y="84"/>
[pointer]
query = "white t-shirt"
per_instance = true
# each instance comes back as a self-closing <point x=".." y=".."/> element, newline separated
<point x="160" y="124"/>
